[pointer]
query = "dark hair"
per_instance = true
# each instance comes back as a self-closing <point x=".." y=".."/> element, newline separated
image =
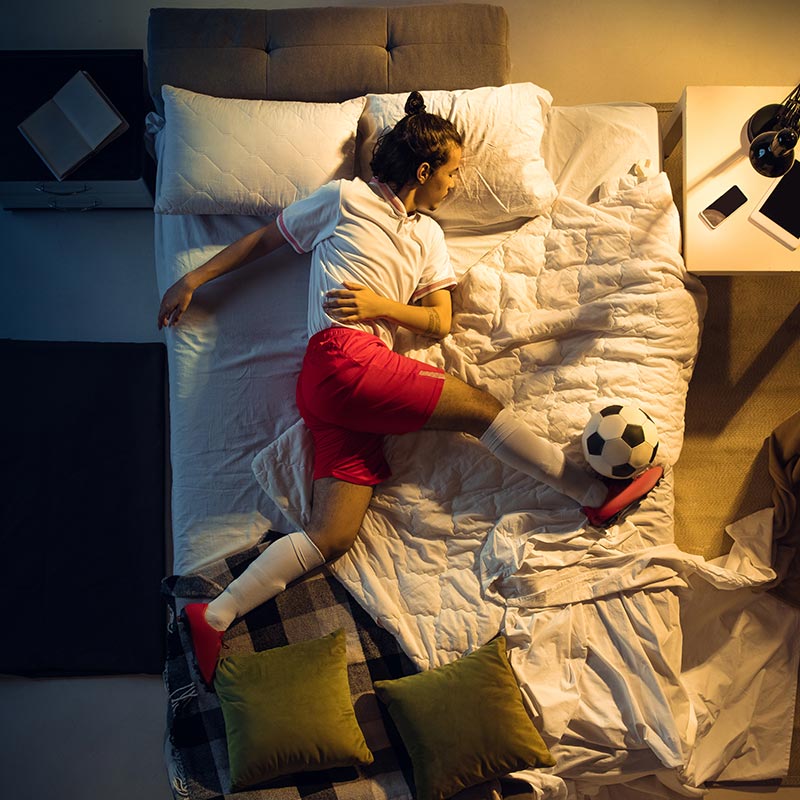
<point x="417" y="138"/>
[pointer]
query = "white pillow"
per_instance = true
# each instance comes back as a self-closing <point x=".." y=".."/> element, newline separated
<point x="503" y="175"/>
<point x="228" y="156"/>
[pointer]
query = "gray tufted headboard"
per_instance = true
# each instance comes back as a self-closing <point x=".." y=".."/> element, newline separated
<point x="326" y="54"/>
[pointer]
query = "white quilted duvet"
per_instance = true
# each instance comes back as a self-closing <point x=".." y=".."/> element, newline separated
<point x="572" y="311"/>
<point x="568" y="314"/>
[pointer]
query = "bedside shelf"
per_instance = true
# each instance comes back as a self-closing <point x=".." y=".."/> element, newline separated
<point x="121" y="175"/>
<point x="712" y="122"/>
<point x="75" y="195"/>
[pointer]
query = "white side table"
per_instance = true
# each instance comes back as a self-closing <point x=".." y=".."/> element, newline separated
<point x="712" y="122"/>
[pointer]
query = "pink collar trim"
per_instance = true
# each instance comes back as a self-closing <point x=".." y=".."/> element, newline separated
<point x="389" y="195"/>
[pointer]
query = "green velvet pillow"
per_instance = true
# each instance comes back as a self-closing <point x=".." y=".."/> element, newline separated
<point x="289" y="710"/>
<point x="464" y="723"/>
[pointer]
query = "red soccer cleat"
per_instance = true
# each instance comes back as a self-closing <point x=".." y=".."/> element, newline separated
<point x="622" y="496"/>
<point x="206" y="641"/>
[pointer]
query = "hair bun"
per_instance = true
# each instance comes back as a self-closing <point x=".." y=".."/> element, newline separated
<point x="415" y="104"/>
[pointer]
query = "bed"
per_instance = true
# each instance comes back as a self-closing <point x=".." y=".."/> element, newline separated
<point x="645" y="671"/>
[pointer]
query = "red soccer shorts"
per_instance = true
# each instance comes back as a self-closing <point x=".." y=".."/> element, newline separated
<point x="352" y="391"/>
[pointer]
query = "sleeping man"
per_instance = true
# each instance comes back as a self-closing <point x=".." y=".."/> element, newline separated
<point x="377" y="262"/>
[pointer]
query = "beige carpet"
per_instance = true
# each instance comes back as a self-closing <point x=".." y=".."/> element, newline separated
<point x="746" y="382"/>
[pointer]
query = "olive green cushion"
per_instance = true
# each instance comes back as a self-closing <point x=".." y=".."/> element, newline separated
<point x="289" y="710"/>
<point x="464" y="723"/>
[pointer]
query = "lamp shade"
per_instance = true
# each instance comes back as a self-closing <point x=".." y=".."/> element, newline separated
<point x="772" y="152"/>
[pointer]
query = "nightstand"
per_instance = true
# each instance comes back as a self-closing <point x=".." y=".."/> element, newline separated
<point x="121" y="175"/>
<point x="712" y="122"/>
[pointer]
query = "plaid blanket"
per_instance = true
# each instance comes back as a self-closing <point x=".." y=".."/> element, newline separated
<point x="195" y="746"/>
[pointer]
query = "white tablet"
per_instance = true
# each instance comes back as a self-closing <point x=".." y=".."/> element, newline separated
<point x="778" y="213"/>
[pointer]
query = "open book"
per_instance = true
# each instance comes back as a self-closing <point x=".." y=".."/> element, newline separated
<point x="75" y="123"/>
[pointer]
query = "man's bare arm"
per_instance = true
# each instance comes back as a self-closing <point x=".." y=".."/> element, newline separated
<point x="243" y="251"/>
<point x="356" y="303"/>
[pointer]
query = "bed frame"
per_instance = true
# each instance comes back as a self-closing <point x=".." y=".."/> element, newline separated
<point x="326" y="54"/>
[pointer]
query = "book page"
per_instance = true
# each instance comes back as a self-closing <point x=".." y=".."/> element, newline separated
<point x="87" y="110"/>
<point x="54" y="138"/>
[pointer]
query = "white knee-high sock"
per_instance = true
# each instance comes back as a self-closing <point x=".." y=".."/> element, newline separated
<point x="510" y="439"/>
<point x="285" y="560"/>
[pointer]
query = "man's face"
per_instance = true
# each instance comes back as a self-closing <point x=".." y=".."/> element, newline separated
<point x="436" y="187"/>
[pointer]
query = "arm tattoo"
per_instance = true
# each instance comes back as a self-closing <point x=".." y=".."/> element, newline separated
<point x="434" y="323"/>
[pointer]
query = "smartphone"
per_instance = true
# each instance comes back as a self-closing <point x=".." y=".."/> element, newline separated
<point x="716" y="213"/>
<point x="778" y="213"/>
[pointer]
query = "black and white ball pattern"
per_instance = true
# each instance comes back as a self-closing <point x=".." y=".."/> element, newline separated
<point x="620" y="441"/>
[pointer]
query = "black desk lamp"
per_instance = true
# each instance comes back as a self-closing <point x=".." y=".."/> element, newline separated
<point x="773" y="132"/>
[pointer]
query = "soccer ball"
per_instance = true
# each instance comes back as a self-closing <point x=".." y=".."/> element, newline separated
<point x="620" y="441"/>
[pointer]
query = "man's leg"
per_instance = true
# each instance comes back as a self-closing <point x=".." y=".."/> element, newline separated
<point x="464" y="408"/>
<point x="337" y="511"/>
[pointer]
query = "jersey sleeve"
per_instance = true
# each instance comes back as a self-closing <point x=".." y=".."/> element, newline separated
<point x="438" y="272"/>
<point x="309" y="221"/>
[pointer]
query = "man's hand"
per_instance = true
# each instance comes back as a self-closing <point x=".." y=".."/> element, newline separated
<point x="175" y="301"/>
<point x="355" y="303"/>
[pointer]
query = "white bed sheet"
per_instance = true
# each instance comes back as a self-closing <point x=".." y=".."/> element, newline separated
<point x="233" y="363"/>
<point x="586" y="146"/>
<point x="219" y="422"/>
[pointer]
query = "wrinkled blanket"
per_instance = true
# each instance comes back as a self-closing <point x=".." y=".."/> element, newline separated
<point x="569" y="314"/>
<point x="589" y="306"/>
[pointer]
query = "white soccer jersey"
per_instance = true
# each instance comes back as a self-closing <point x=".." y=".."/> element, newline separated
<point x="362" y="233"/>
